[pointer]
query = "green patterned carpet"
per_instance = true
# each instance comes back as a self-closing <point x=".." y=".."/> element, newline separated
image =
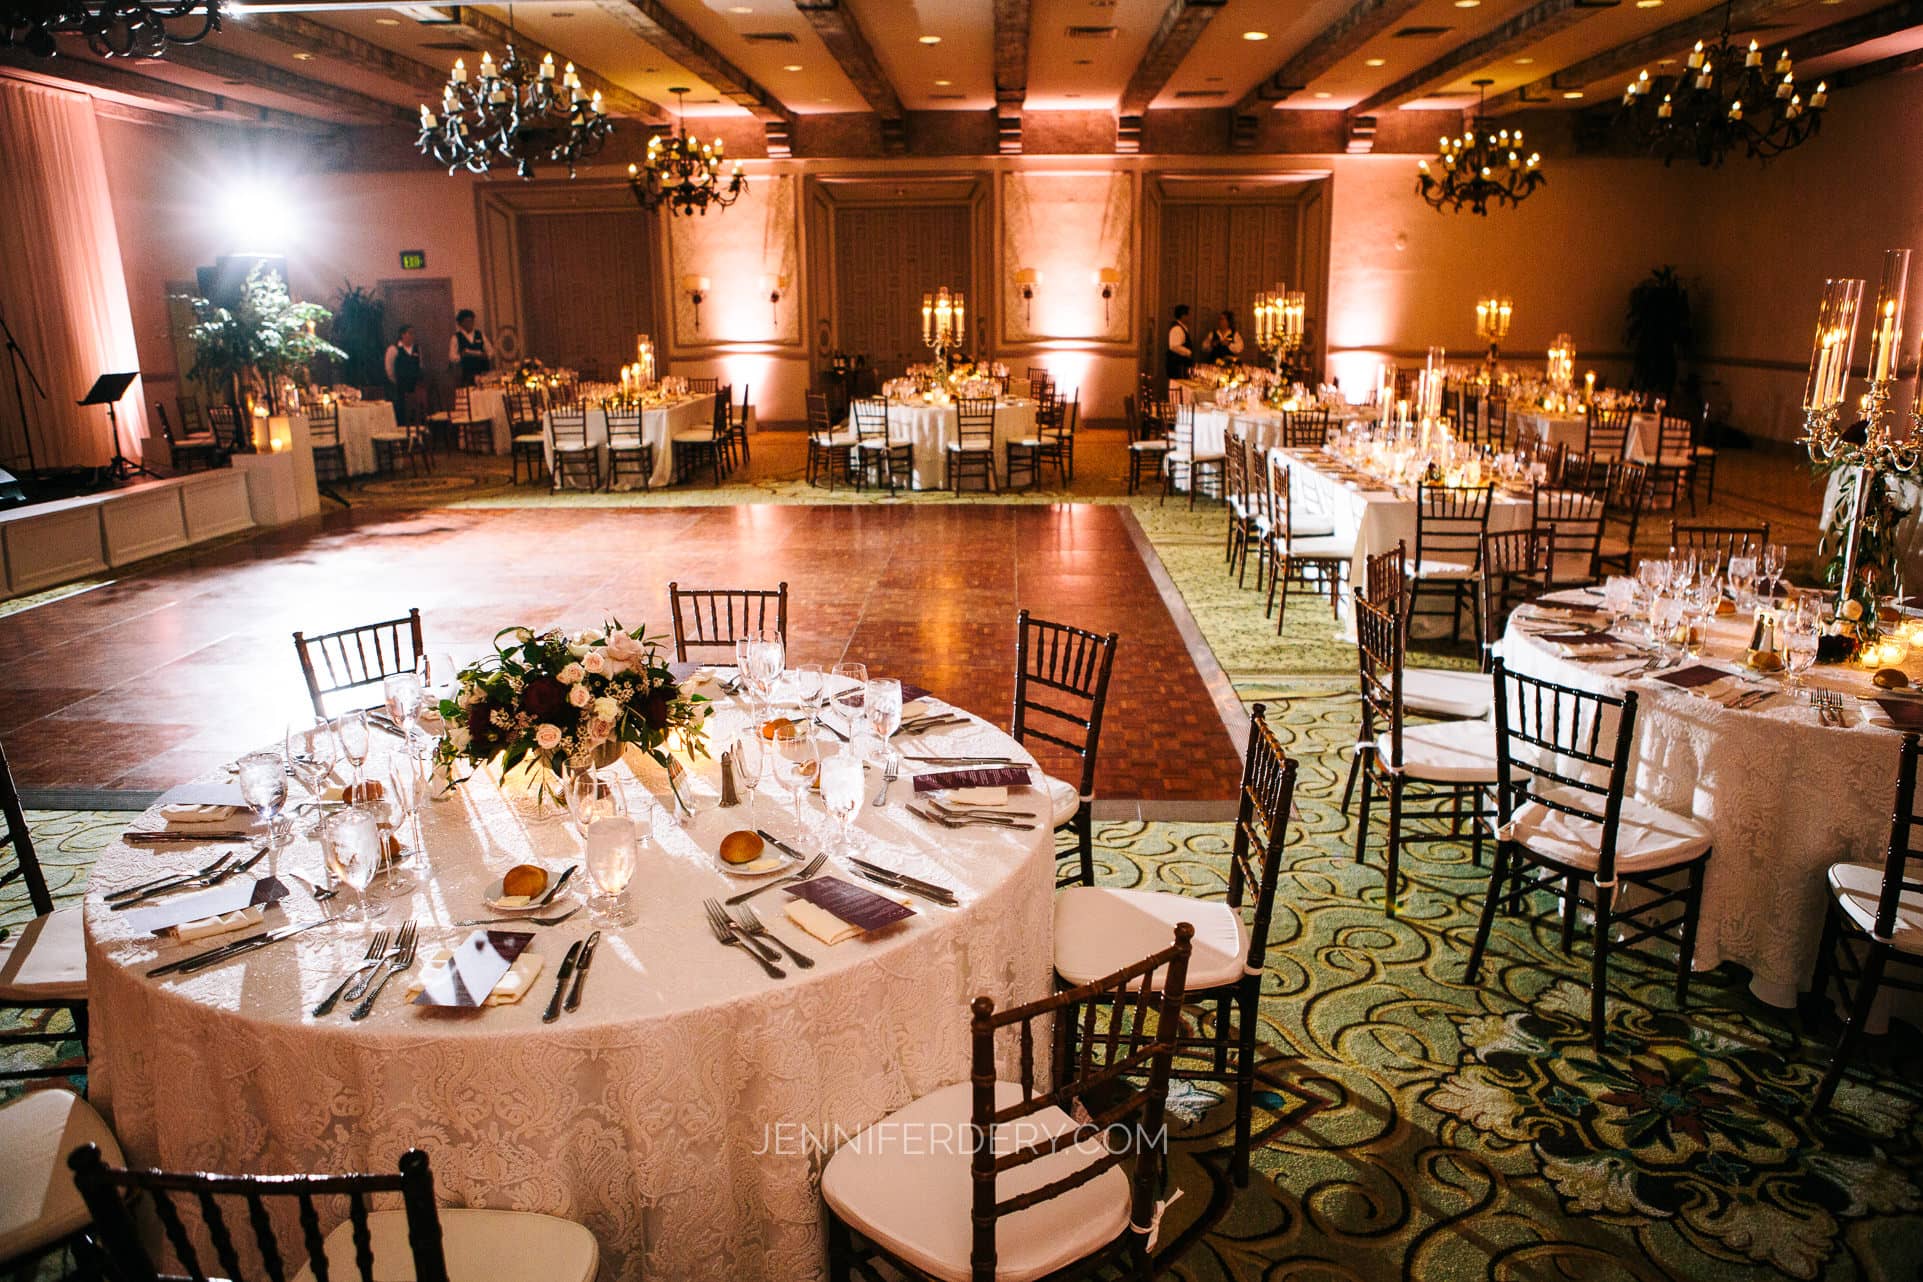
<point x="1414" y="1127"/>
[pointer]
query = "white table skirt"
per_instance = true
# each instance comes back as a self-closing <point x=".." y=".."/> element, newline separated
<point x="1262" y="428"/>
<point x="359" y="424"/>
<point x="672" y="1115"/>
<point x="929" y="428"/>
<point x="1571" y="430"/>
<point x="658" y="427"/>
<point x="491" y="403"/>
<point x="1784" y="795"/>
<point x="1377" y="520"/>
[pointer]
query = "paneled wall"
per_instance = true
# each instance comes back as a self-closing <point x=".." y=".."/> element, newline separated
<point x="587" y="286"/>
<point x="886" y="258"/>
<point x="1219" y="256"/>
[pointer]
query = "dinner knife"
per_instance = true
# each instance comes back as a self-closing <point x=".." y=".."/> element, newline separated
<point x="553" y="1011"/>
<point x="207" y="882"/>
<point x="155" y="838"/>
<point x="927" y="888"/>
<point x="895" y="883"/>
<point x="573" y="1002"/>
<point x="199" y="961"/>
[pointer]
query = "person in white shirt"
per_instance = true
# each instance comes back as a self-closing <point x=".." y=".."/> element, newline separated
<point x="1181" y="358"/>
<point x="1223" y="343"/>
<point x="469" y="351"/>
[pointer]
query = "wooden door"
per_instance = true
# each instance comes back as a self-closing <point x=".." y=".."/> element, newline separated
<point x="886" y="258"/>
<point x="587" y="286"/>
<point x="1218" y="256"/>
<point x="426" y="303"/>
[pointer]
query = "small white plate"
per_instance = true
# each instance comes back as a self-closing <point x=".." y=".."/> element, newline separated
<point x="492" y="898"/>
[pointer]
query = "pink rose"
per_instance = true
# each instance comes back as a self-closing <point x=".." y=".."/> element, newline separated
<point x="547" y="737"/>
<point x="595" y="663"/>
<point x="599" y="729"/>
<point x="625" y="650"/>
<point x="579" y="696"/>
<point x="570" y="675"/>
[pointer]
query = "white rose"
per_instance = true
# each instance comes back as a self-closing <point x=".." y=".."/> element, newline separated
<point x="547" y="737"/>
<point x="595" y="662"/>
<point x="579" y="697"/>
<point x="569" y="675"/>
<point x="459" y="737"/>
<point x="606" y="709"/>
<point x="625" y="650"/>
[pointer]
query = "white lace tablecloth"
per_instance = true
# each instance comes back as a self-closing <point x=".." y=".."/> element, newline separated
<point x="671" y="1114"/>
<point x="1785" y="796"/>
<point x="1571" y="430"/>
<point x="929" y="428"/>
<point x="359" y="424"/>
<point x="491" y="403"/>
<point x="658" y="427"/>
<point x="1261" y="427"/>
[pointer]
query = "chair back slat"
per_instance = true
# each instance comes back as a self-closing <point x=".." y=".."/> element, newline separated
<point x="368" y="654"/>
<point x="1236" y="459"/>
<point x="1378" y="647"/>
<point x="975" y="422"/>
<point x="1576" y="518"/>
<point x="1450" y="521"/>
<point x="568" y="427"/>
<point x="1566" y="749"/>
<point x="324" y="426"/>
<point x="112" y="1194"/>
<point x="1606" y="432"/>
<point x="715" y="618"/>
<point x="1069" y="661"/>
<point x="624" y="428"/>
<point x="18" y="840"/>
<point x="1305" y="429"/>
<point x="1385" y="577"/>
<point x="1516" y="567"/>
<point x="871" y="419"/>
<point x="1261" y="833"/>
<point x="821" y="421"/>
<point x="1720" y="541"/>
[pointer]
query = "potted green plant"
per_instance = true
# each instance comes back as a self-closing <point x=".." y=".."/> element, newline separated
<point x="358" y="316"/>
<point x="265" y="337"/>
<point x="1658" y="331"/>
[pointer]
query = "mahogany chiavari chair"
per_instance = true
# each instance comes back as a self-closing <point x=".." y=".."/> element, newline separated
<point x="44" y="971"/>
<point x="1875" y="919"/>
<point x="354" y="658"/>
<point x="1564" y="824"/>
<point x="1243" y="522"/>
<point x="1606" y="432"/>
<point x="1101" y="926"/>
<point x="472" y="433"/>
<point x="691" y="447"/>
<point x="1196" y="465"/>
<point x="972" y="452"/>
<point x="1149" y="440"/>
<point x="630" y="453"/>
<point x="1719" y="541"/>
<point x="224" y="422"/>
<point x="1674" y="468"/>
<point x="187" y="453"/>
<point x="571" y="453"/>
<point x="324" y="436"/>
<point x="828" y="450"/>
<point x="1624" y="499"/>
<point x="892" y="1193"/>
<point x="45" y="1216"/>
<point x="703" y="386"/>
<point x="876" y="445"/>
<point x="1305" y="429"/>
<point x="431" y="1243"/>
<point x="1450" y="523"/>
<point x="1516" y="567"/>
<point x="1318" y="561"/>
<point x="1061" y="691"/>
<point x="527" y="441"/>
<point x="1576" y="517"/>
<point x="715" y="618"/>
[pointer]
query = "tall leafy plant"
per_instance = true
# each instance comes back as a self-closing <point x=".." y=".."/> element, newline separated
<point x="358" y="316"/>
<point x="265" y="336"/>
<point x="1658" y="330"/>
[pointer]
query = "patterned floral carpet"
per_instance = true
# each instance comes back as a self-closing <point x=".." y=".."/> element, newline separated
<point x="1416" y="1127"/>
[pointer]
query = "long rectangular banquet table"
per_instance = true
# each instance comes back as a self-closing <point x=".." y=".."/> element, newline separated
<point x="929" y="428"/>
<point x="681" y="1113"/>
<point x="1572" y="430"/>
<point x="658" y="427"/>
<point x="1376" y="514"/>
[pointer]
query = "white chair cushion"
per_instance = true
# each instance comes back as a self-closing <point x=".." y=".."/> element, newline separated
<point x="1676" y="460"/>
<point x="1157" y="446"/>
<point x="837" y="441"/>
<point x="1647" y="837"/>
<point x="1857" y="889"/>
<point x="965" y="447"/>
<point x="1064" y="800"/>
<point x="528" y="438"/>
<point x="480" y="1246"/>
<point x="1451" y="752"/>
<point x="38" y="1201"/>
<point x="46" y="960"/>
<point x="693" y="435"/>
<point x="398" y="437"/>
<point x="1438" y="568"/>
<point x="1100" y="929"/>
<point x="1327" y="547"/>
<point x="1184" y="456"/>
<point x="1028" y="443"/>
<point x="903" y="1184"/>
<point x="1444" y="692"/>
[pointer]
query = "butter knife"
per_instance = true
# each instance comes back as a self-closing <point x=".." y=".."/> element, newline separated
<point x="553" y="1011"/>
<point x="573" y="1002"/>
<point x="778" y="844"/>
<point x="156" y="838"/>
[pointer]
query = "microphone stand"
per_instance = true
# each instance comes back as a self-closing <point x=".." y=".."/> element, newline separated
<point x="17" y="361"/>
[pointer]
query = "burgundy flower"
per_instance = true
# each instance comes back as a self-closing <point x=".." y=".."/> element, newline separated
<point x="543" y="697"/>
<point x="655" y="710"/>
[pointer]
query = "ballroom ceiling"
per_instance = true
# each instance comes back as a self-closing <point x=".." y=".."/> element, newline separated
<point x="778" y="62"/>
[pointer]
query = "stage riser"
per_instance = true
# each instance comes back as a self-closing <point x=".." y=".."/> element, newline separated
<point x="53" y="543"/>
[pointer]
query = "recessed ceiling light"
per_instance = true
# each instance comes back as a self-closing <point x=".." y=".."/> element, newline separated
<point x="303" y="57"/>
<point x="793" y="66"/>
<point x="1322" y="95"/>
<point x="1468" y="4"/>
<point x="1374" y="62"/>
<point x="1255" y="35"/>
<point x="387" y="22"/>
<point x="1649" y="4"/>
<point x="740" y="8"/>
<point x="1523" y="62"/>
<point x="930" y="40"/>
<point x="944" y="83"/>
<point x="1572" y="94"/>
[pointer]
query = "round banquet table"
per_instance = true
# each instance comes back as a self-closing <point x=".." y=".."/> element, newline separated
<point x="676" y="1114"/>
<point x="1784" y="795"/>
<point x="659" y="424"/>
<point x="1572" y="430"/>
<point x="929" y="429"/>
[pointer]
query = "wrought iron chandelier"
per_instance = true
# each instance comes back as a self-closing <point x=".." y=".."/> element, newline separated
<point x="1481" y="166"/>
<point x="113" y="28"/>
<point x="684" y="173"/>
<point x="1722" y="101"/>
<point x="513" y="111"/>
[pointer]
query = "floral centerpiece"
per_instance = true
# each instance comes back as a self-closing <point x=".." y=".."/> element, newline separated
<point x="549" y="704"/>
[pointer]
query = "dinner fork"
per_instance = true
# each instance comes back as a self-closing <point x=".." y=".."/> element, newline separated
<point x="398" y="961"/>
<point x="366" y="965"/>
<point x="171" y="879"/>
<point x="971" y="822"/>
<point x="750" y="921"/>
<point x="761" y="949"/>
<point x="808" y="870"/>
<point x="192" y="883"/>
<point x="889" y="774"/>
<point x="726" y="931"/>
<point x="978" y="812"/>
<point x="531" y="921"/>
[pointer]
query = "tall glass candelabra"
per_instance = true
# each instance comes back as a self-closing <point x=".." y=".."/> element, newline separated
<point x="1492" y="323"/>
<point x="944" y="324"/>
<point x="1280" y="318"/>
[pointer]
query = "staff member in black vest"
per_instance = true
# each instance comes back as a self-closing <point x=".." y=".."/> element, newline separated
<point x="469" y="351"/>
<point x="404" y="375"/>
<point x="1181" y="357"/>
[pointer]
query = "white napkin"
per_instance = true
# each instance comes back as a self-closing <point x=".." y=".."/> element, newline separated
<point x="221" y="924"/>
<point x="997" y="796"/>
<point x="821" y="923"/>
<point x="511" y="988"/>
<point x="186" y="818"/>
<point x="1579" y="649"/>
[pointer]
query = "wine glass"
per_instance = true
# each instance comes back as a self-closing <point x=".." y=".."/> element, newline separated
<point x="766" y="657"/>
<point x="591" y="797"/>
<point x="1742" y="577"/>
<point x="750" y="757"/>
<point x="310" y="759"/>
<point x="881" y="707"/>
<point x="841" y="791"/>
<point x="611" y="858"/>
<point x="1775" y="561"/>
<point x="441" y="680"/>
<point x="849" y="685"/>
<point x="263" y="786"/>
<point x="406" y="789"/>
<point x="351" y="727"/>
<point x="808" y="683"/>
<point x="404" y="696"/>
<point x="792" y="754"/>
<point x="351" y="840"/>
<point x="1802" y="630"/>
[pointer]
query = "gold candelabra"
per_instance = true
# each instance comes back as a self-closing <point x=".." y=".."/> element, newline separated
<point x="1280" y="319"/>
<point x="944" y="324"/>
<point x="1562" y="364"/>
<point x="1492" y="322"/>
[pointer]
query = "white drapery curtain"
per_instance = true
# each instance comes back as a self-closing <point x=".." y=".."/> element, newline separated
<point x="63" y="290"/>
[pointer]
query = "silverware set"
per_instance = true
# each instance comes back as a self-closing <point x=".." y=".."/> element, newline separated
<point x="1829" y="707"/>
<point x="519" y="921"/>
<point x="357" y="978"/>
<point x="1748" y="698"/>
<point x="230" y="950"/>
<point x="890" y="773"/>
<point x="750" y="921"/>
<point x="971" y="818"/>
<point x="902" y="881"/>
<point x="966" y="761"/>
<point x="808" y="870"/>
<point x="728" y="932"/>
<point x="400" y="959"/>
<point x="222" y="869"/>
<point x="575" y="966"/>
<point x="931" y="721"/>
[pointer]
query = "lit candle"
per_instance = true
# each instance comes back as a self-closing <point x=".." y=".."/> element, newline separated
<point x="1885" y="341"/>
<point x="1754" y="58"/>
<point x="460" y="71"/>
<point x="961" y="307"/>
<point x="547" y="67"/>
<point x="1696" y="56"/>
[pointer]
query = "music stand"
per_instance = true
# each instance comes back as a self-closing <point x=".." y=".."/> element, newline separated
<point x="106" y="390"/>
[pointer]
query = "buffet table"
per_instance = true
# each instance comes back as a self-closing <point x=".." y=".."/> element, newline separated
<point x="929" y="428"/>
<point x="658" y="427"/>
<point x="1785" y="795"/>
<point x="677" y="1114"/>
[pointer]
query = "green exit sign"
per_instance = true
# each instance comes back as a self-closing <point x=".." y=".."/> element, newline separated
<point x="413" y="260"/>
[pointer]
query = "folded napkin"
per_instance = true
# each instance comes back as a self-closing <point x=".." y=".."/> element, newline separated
<point x="977" y="796"/>
<point x="510" y="988"/>
<point x="824" y="925"/>
<point x="188" y="816"/>
<point x="221" y="923"/>
<point x="1587" y="649"/>
<point x="991" y="777"/>
<point x="1565" y="613"/>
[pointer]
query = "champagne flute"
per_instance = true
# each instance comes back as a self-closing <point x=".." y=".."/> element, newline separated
<point x="841" y="792"/>
<point x="351" y="727"/>
<point x="351" y="840"/>
<point x="406" y="787"/>
<point x="750" y="757"/>
<point x="263" y="786"/>
<point x="1775" y="561"/>
<point x="612" y="853"/>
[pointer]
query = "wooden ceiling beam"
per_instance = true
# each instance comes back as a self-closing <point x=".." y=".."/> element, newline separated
<point x="651" y="20"/>
<point x="1012" y="21"/>
<point x="303" y="34"/>
<point x="1182" y="25"/>
<point x="210" y="59"/>
<point x="1626" y="60"/>
<point x="492" y="33"/>
<point x="1364" y="21"/>
<point x="163" y="97"/>
<point x="1532" y="25"/>
<point x="849" y="46"/>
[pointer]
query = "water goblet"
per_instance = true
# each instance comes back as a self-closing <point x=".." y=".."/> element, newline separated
<point x="792" y="754"/>
<point x="612" y="854"/>
<point x="847" y="689"/>
<point x="1801" y="634"/>
<point x="842" y="781"/>
<point x="351" y="728"/>
<point x="263" y="786"/>
<point x="351" y="841"/>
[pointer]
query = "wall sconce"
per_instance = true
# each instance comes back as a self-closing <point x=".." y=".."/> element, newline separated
<point x="1028" y="278"/>
<point x="774" y="285"/>
<point x="1108" y="278"/>
<point x="697" y="288"/>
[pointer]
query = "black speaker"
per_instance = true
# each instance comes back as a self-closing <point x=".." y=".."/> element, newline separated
<point x="11" y="495"/>
<point x="220" y="284"/>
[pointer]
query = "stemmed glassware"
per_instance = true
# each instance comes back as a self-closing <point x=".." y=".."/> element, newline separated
<point x="809" y="679"/>
<point x="767" y="657"/>
<point x="792" y="754"/>
<point x="263" y="786"/>
<point x="311" y="754"/>
<point x="881" y="708"/>
<point x="1775" y="561"/>
<point x="1742" y="577"/>
<point x="351" y="840"/>
<point x="404" y="696"/>
<point x="841" y="791"/>
<point x="351" y="728"/>
<point x="848" y="688"/>
<point x="407" y="779"/>
<point x="750" y="757"/>
<point x="590" y="798"/>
